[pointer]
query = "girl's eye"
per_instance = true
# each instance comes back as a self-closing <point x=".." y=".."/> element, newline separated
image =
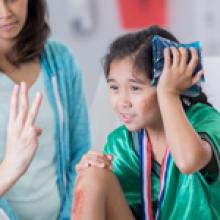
<point x="135" y="88"/>
<point x="113" y="87"/>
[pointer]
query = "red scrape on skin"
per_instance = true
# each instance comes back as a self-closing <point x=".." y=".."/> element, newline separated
<point x="78" y="202"/>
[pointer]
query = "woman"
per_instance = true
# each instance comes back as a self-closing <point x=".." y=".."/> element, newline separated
<point x="45" y="141"/>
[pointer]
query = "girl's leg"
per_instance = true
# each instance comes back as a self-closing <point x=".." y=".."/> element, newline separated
<point x="98" y="196"/>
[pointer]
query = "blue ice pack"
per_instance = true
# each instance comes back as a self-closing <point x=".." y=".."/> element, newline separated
<point x="158" y="45"/>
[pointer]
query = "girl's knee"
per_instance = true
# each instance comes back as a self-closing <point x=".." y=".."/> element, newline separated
<point x="94" y="178"/>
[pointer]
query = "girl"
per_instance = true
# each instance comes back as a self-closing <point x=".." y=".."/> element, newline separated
<point x="37" y="173"/>
<point x="166" y="156"/>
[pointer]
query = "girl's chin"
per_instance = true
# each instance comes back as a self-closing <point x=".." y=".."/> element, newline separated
<point x="132" y="128"/>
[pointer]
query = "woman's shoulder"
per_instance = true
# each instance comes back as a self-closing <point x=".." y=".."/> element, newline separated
<point x="57" y="47"/>
<point x="58" y="58"/>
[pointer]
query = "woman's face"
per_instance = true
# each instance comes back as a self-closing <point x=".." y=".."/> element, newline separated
<point x="133" y="98"/>
<point x="13" y="14"/>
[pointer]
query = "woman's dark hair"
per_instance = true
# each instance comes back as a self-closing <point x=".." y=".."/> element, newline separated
<point x="138" y="47"/>
<point x="30" y="41"/>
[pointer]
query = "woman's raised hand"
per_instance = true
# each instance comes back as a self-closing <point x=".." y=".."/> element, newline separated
<point x="95" y="159"/>
<point x="22" y="132"/>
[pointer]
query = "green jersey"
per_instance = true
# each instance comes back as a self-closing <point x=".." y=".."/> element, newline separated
<point x="186" y="197"/>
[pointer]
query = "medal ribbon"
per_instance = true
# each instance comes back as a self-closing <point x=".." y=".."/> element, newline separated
<point x="146" y="157"/>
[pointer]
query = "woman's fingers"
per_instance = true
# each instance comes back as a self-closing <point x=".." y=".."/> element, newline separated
<point x="23" y="110"/>
<point x="22" y="138"/>
<point x="24" y="115"/>
<point x="33" y="112"/>
<point x="14" y="104"/>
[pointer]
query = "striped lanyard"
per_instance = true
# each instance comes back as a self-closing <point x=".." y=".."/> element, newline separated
<point x="145" y="157"/>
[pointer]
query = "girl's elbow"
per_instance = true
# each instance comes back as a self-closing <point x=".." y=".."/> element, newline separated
<point x="187" y="167"/>
<point x="187" y="170"/>
<point x="193" y="162"/>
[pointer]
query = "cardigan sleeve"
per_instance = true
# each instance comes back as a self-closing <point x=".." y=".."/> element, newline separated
<point x="79" y="128"/>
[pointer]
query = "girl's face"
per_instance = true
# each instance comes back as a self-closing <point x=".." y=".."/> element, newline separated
<point x="13" y="15"/>
<point x="132" y="97"/>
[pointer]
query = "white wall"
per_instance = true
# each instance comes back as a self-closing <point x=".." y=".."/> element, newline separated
<point x="88" y="49"/>
<point x="211" y="85"/>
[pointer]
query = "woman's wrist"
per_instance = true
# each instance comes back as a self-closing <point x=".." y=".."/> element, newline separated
<point x="8" y="176"/>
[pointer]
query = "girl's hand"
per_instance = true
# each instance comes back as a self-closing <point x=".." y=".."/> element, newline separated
<point x="95" y="159"/>
<point x="22" y="133"/>
<point x="177" y="75"/>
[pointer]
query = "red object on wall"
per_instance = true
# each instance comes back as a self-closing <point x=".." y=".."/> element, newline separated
<point x="141" y="13"/>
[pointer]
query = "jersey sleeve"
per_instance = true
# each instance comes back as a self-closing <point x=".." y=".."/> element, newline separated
<point x="206" y="121"/>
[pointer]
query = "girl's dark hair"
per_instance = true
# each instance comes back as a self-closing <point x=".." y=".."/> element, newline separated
<point x="30" y="41"/>
<point x="138" y="47"/>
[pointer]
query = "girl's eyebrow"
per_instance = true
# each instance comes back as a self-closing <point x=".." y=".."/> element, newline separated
<point x="110" y="80"/>
<point x="137" y="81"/>
<point x="132" y="80"/>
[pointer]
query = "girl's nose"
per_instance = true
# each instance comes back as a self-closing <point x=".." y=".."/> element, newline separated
<point x="125" y="101"/>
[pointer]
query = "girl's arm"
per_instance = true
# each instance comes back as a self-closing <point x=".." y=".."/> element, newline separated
<point x="189" y="151"/>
